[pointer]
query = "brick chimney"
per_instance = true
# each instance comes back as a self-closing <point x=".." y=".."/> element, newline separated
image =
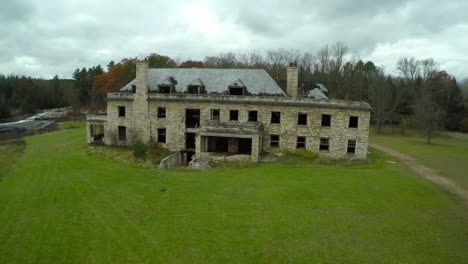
<point x="292" y="82"/>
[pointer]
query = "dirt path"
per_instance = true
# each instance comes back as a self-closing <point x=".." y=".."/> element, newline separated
<point x="426" y="173"/>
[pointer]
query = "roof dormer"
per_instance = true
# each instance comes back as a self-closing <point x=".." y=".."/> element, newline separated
<point x="237" y="87"/>
<point x="167" y="85"/>
<point x="196" y="87"/>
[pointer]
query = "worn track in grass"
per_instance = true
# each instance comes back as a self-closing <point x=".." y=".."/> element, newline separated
<point x="426" y="173"/>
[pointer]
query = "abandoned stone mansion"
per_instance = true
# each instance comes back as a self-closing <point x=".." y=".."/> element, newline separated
<point x="230" y="113"/>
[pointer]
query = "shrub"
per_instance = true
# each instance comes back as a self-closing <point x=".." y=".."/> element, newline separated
<point x="464" y="125"/>
<point x="139" y="149"/>
<point x="303" y="153"/>
<point x="404" y="125"/>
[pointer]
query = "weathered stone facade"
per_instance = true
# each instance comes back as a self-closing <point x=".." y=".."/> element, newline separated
<point x="141" y="121"/>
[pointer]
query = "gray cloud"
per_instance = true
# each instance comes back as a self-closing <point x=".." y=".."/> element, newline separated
<point x="44" y="38"/>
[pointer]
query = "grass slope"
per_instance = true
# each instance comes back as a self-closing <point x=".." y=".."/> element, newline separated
<point x="59" y="204"/>
<point x="447" y="155"/>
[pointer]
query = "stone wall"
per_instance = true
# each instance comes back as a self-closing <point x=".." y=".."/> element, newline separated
<point x="288" y="130"/>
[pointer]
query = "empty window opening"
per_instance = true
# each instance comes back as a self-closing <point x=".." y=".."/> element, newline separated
<point x="122" y="133"/>
<point x="193" y="89"/>
<point x="236" y="90"/>
<point x="121" y="111"/>
<point x="164" y="89"/>
<point x="215" y="114"/>
<point x="324" y="144"/>
<point x="253" y="116"/>
<point x="275" y="117"/>
<point x="274" y="141"/>
<point x="133" y="88"/>
<point x="226" y="145"/>
<point x="233" y="115"/>
<point x="161" y="112"/>
<point x="190" y="140"/>
<point x="302" y="119"/>
<point x="301" y="142"/>
<point x="353" y="121"/>
<point x="192" y="118"/>
<point x="326" y="120"/>
<point x="351" y="146"/>
<point x="161" y="135"/>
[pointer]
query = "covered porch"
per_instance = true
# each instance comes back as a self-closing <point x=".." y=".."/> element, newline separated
<point x="229" y="141"/>
<point x="95" y="128"/>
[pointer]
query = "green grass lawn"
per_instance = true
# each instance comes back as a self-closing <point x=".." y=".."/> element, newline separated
<point x="447" y="155"/>
<point x="61" y="204"/>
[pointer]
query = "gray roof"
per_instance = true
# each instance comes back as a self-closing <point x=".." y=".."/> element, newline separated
<point x="256" y="81"/>
<point x="322" y="88"/>
<point x="317" y="94"/>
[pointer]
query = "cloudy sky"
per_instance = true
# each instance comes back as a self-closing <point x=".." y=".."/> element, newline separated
<point x="44" y="38"/>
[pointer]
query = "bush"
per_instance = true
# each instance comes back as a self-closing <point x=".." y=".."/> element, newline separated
<point x="464" y="125"/>
<point x="139" y="150"/>
<point x="303" y="153"/>
<point x="404" y="125"/>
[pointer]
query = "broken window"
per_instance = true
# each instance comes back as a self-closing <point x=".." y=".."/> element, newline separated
<point x="301" y="142"/>
<point x="302" y="119"/>
<point x="351" y="146"/>
<point x="274" y="141"/>
<point x="324" y="144"/>
<point x="161" y="112"/>
<point x="121" y="111"/>
<point x="193" y="89"/>
<point x="233" y="115"/>
<point x="215" y="114"/>
<point x="326" y="120"/>
<point x="353" y="121"/>
<point x="161" y="135"/>
<point x="133" y="88"/>
<point x="192" y="118"/>
<point x="275" y="117"/>
<point x="122" y="133"/>
<point x="253" y="116"/>
<point x="164" y="89"/>
<point x="236" y="90"/>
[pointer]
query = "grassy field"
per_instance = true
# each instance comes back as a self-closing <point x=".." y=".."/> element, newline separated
<point x="447" y="155"/>
<point x="61" y="204"/>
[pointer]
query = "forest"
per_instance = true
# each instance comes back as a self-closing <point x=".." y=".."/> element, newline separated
<point x="416" y="93"/>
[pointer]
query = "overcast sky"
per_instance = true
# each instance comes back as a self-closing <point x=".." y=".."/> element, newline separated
<point x="44" y="38"/>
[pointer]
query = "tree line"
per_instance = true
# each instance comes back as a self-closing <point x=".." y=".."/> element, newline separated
<point x="22" y="94"/>
<point x="418" y="93"/>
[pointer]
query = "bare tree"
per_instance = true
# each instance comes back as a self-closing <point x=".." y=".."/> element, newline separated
<point x="429" y="117"/>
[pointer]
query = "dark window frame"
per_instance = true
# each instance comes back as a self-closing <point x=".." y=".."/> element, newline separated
<point x="351" y="148"/>
<point x="121" y="111"/>
<point x="326" y="120"/>
<point x="122" y="132"/>
<point x="324" y="144"/>
<point x="235" y="90"/>
<point x="212" y="114"/>
<point x="301" y="142"/>
<point x="253" y="118"/>
<point x="275" y="143"/>
<point x="275" y="118"/>
<point x="193" y="89"/>
<point x="162" y="135"/>
<point x="161" y="112"/>
<point x="233" y="118"/>
<point x="164" y="89"/>
<point x="353" y="122"/>
<point x="302" y="119"/>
